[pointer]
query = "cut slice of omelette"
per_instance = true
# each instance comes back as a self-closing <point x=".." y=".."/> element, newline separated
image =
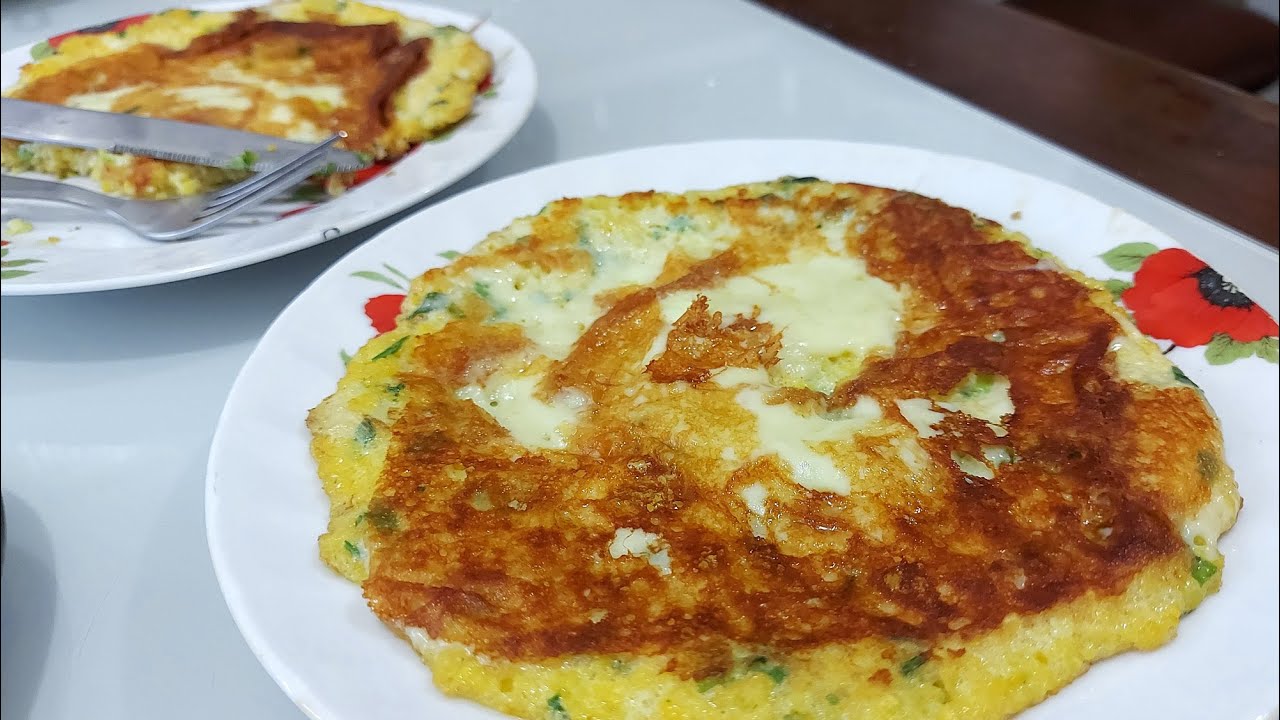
<point x="301" y="70"/>
<point x="784" y="450"/>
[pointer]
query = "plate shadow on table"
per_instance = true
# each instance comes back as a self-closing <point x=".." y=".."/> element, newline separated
<point x="87" y="328"/>
<point x="28" y="596"/>
<point x="218" y="663"/>
<point x="158" y="320"/>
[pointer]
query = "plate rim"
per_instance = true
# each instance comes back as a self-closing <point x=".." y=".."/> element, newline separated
<point x="303" y="238"/>
<point x="285" y="677"/>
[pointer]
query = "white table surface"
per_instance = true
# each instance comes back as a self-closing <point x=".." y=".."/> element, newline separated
<point x="109" y="400"/>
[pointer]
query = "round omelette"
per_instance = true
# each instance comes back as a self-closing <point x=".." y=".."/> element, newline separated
<point x="790" y="450"/>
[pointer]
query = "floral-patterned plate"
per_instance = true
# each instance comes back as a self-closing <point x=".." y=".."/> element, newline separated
<point x="313" y="632"/>
<point x="70" y="250"/>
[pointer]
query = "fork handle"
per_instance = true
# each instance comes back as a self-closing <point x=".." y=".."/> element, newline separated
<point x="12" y="186"/>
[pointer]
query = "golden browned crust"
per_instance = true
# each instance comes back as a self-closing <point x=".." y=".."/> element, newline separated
<point x="483" y="542"/>
<point x="368" y="63"/>
<point x="701" y="342"/>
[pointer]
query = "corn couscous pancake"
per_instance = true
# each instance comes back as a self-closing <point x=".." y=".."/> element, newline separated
<point x="784" y="450"/>
<point x="301" y="70"/>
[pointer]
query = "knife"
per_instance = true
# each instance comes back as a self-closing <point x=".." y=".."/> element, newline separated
<point x="182" y="142"/>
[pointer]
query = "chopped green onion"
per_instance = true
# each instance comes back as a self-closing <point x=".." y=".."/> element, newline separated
<point x="384" y="519"/>
<point x="365" y="432"/>
<point x="431" y="302"/>
<point x="776" y="672"/>
<point x="680" y="223"/>
<point x="976" y="384"/>
<point x="1202" y="570"/>
<point x="913" y="664"/>
<point x="391" y="349"/>
<point x="707" y="683"/>
<point x="244" y="161"/>
<point x="1207" y="464"/>
<point x="556" y="706"/>
<point x="1182" y="377"/>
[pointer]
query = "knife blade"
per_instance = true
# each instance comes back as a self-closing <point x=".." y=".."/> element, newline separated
<point x="174" y="140"/>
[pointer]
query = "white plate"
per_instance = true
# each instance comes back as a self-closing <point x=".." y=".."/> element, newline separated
<point x="312" y="630"/>
<point x="90" y="254"/>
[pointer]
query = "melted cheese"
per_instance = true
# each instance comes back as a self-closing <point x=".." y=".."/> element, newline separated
<point x="1202" y="530"/>
<point x="322" y="95"/>
<point x="332" y="95"/>
<point x="911" y="454"/>
<point x="101" y="101"/>
<point x="754" y="496"/>
<point x="783" y="432"/>
<point x="1138" y="359"/>
<point x="734" y="376"/>
<point x="997" y="455"/>
<point x="214" y="96"/>
<point x="307" y="131"/>
<point x="991" y="402"/>
<point x="920" y="413"/>
<point x="642" y="544"/>
<point x="553" y="312"/>
<point x="533" y="423"/>
<point x="834" y="231"/>
<point x="832" y="315"/>
<point x="282" y="114"/>
<point x="969" y="465"/>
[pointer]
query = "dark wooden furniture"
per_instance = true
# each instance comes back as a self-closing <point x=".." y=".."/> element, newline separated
<point x="1193" y="139"/>
<point x="1229" y="44"/>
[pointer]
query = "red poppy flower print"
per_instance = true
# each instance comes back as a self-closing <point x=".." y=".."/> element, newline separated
<point x="295" y="211"/>
<point x="115" y="25"/>
<point x="382" y="311"/>
<point x="1176" y="296"/>
<point x="364" y="175"/>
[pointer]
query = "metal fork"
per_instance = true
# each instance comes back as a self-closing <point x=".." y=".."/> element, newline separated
<point x="179" y="218"/>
